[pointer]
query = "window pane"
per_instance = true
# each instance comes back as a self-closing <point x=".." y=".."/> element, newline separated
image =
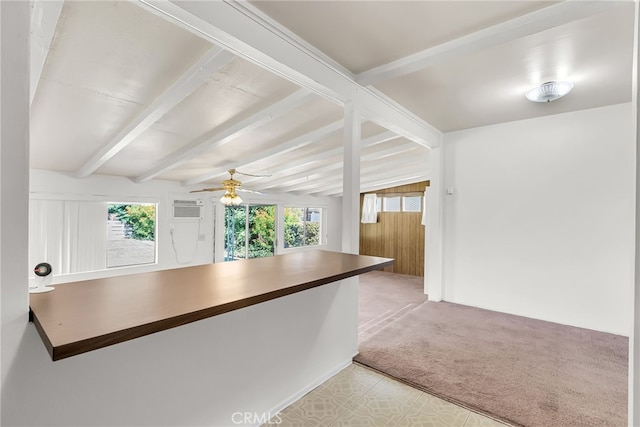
<point x="379" y="204"/>
<point x="391" y="204"/>
<point x="412" y="204"/>
<point x="293" y="227"/>
<point x="312" y="227"/>
<point x="235" y="219"/>
<point x="132" y="234"/>
<point x="262" y="231"/>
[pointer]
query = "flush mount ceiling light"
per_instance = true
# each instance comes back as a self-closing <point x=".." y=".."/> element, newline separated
<point x="549" y="91"/>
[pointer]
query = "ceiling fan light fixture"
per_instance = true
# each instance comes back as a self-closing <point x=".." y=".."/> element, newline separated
<point x="230" y="198"/>
<point x="549" y="91"/>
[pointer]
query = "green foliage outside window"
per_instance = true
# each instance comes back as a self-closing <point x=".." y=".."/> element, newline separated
<point x="139" y="220"/>
<point x="293" y="227"/>
<point x="262" y="231"/>
<point x="261" y="228"/>
<point x="301" y="227"/>
<point x="234" y="225"/>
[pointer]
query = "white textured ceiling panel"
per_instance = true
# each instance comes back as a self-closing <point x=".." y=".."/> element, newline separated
<point x="303" y="119"/>
<point x="238" y="89"/>
<point x="221" y="100"/>
<point x="119" y="50"/>
<point x="362" y="34"/>
<point x="143" y="154"/>
<point x="488" y="87"/>
<point x="68" y="124"/>
<point x="108" y="60"/>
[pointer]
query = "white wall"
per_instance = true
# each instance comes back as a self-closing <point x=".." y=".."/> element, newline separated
<point x="541" y="222"/>
<point x="14" y="185"/>
<point x="189" y="250"/>
<point x="47" y="185"/>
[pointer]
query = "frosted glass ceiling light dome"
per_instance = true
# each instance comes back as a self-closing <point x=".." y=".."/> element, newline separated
<point x="230" y="198"/>
<point x="549" y="91"/>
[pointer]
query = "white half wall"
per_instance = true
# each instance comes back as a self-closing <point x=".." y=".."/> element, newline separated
<point x="541" y="219"/>
<point x="255" y="360"/>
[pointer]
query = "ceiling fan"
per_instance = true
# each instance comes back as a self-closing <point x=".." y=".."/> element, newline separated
<point x="231" y="186"/>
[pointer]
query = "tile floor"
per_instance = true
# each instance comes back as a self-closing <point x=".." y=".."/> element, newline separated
<point x="358" y="396"/>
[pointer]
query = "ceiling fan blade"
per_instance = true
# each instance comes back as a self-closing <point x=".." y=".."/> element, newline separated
<point x="249" y="174"/>
<point x="207" y="189"/>
<point x="244" y="190"/>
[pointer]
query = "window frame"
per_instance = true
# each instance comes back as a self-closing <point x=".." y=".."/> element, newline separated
<point x="247" y="234"/>
<point x="385" y="208"/>
<point x="155" y="235"/>
<point x="401" y="201"/>
<point x="322" y="232"/>
<point x="420" y="204"/>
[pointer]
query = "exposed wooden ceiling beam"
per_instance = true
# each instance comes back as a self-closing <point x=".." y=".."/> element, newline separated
<point x="314" y="165"/>
<point x="225" y="133"/>
<point x="396" y="167"/>
<point x="300" y="167"/>
<point x="44" y="19"/>
<point x="379" y="185"/>
<point x="334" y="186"/>
<point x="372" y="162"/>
<point x="534" y="22"/>
<point x="379" y="138"/>
<point x="303" y="162"/>
<point x="246" y="31"/>
<point x="306" y="178"/>
<point x="301" y="141"/>
<point x="212" y="61"/>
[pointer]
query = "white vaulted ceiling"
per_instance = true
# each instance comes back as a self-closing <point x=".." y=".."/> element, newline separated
<point x="125" y="89"/>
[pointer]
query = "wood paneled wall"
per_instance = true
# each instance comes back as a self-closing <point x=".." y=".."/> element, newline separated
<point x="397" y="235"/>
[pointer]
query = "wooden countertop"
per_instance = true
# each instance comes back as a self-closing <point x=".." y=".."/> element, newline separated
<point x="84" y="316"/>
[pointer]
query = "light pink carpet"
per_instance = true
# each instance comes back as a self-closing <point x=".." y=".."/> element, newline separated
<point x="520" y="370"/>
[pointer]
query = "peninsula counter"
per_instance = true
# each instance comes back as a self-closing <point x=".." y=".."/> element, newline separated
<point x="83" y="316"/>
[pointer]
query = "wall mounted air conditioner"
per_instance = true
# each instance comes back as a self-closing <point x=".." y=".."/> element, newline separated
<point x="187" y="209"/>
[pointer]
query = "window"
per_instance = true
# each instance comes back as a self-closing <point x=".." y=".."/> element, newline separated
<point x="391" y="204"/>
<point x="379" y="204"/>
<point x="131" y="236"/>
<point x="250" y="231"/>
<point x="302" y="227"/>
<point x="397" y="203"/>
<point x="411" y="204"/>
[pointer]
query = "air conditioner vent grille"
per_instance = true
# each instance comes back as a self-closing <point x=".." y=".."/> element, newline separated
<point x="187" y="202"/>
<point x="187" y="209"/>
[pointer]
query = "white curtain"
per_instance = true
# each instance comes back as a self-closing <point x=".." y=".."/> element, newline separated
<point x="424" y="208"/>
<point x="45" y="233"/>
<point x="369" y="214"/>
<point x="85" y="242"/>
<point x="69" y="235"/>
